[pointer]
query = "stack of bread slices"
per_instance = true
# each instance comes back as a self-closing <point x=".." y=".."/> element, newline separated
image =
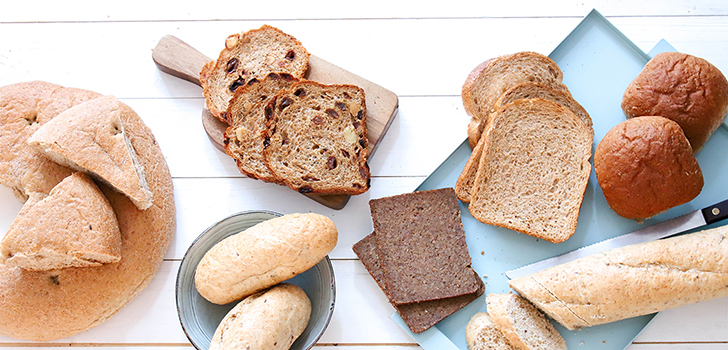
<point x="531" y="147"/>
<point x="284" y="129"/>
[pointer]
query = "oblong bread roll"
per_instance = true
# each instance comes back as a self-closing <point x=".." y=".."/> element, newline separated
<point x="632" y="281"/>
<point x="264" y="255"/>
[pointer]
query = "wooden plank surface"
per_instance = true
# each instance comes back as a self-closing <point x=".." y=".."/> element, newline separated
<point x="422" y="53"/>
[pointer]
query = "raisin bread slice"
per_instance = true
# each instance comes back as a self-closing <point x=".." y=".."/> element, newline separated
<point x="316" y="138"/>
<point x="521" y="91"/>
<point x="489" y="80"/>
<point x="243" y="139"/>
<point x="250" y="56"/>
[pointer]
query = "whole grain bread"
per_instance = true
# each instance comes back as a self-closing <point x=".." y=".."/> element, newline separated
<point x="482" y="334"/>
<point x="43" y="306"/>
<point x="489" y="80"/>
<point x="421" y="245"/>
<point x="73" y="226"/>
<point x="418" y="316"/>
<point x="521" y="91"/>
<point x="249" y="57"/>
<point x="243" y="139"/>
<point x="534" y="169"/>
<point x="632" y="281"/>
<point x="91" y="137"/>
<point x="646" y="166"/>
<point x="316" y="138"/>
<point x="522" y="324"/>
<point x="681" y="87"/>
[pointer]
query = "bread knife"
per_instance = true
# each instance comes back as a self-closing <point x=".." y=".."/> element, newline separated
<point x="701" y="217"/>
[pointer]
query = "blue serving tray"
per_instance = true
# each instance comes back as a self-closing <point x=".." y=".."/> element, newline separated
<point x="598" y="63"/>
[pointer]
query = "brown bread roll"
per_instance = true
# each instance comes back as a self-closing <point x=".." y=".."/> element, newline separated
<point x="646" y="166"/>
<point x="683" y="88"/>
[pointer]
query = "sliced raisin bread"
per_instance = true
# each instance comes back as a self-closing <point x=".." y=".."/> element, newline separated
<point x="534" y="170"/>
<point x="316" y="138"/>
<point x="243" y="139"/>
<point x="521" y="91"/>
<point x="250" y="56"/>
<point x="489" y="80"/>
<point x="522" y="324"/>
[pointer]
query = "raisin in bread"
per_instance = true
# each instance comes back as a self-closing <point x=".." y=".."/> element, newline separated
<point x="243" y="139"/>
<point x="250" y="56"/>
<point x="316" y="138"/>
<point x="489" y="80"/>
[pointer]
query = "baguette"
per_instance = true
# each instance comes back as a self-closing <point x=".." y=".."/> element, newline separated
<point x="632" y="281"/>
<point x="522" y="324"/>
<point x="482" y="334"/>
<point x="264" y="255"/>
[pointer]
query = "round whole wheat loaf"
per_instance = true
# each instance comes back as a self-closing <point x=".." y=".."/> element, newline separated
<point x="49" y="305"/>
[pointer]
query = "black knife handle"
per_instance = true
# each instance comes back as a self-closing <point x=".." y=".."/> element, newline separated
<point x="716" y="212"/>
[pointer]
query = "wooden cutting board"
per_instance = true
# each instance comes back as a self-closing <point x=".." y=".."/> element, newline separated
<point x="175" y="57"/>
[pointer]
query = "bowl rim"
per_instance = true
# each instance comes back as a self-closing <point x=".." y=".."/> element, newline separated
<point x="329" y="314"/>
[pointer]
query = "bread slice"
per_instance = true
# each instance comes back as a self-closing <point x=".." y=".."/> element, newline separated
<point x="73" y="226"/>
<point x="489" y="80"/>
<point x="90" y="137"/>
<point x="243" y="139"/>
<point x="482" y="334"/>
<point x="316" y="138"/>
<point x="522" y="324"/>
<point x="534" y="170"/>
<point x="521" y="91"/>
<point x="249" y="57"/>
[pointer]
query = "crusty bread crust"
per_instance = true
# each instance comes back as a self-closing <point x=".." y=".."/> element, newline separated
<point x="536" y="152"/>
<point x="646" y="166"/>
<point x="44" y="306"/>
<point x="631" y="281"/>
<point x="524" y="326"/>
<point x="250" y="56"/>
<point x="681" y="87"/>
<point x="482" y="334"/>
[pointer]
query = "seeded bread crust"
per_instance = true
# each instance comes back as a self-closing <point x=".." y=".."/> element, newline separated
<point x="490" y="79"/>
<point x="534" y="170"/>
<point x="73" y="226"/>
<point x="522" y="324"/>
<point x="243" y="139"/>
<point x="466" y="179"/>
<point x="250" y="56"/>
<point x="482" y="334"/>
<point x="316" y="138"/>
<point x="48" y="305"/>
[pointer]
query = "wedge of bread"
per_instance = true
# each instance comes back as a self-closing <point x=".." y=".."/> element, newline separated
<point x="73" y="226"/>
<point x="243" y="139"/>
<point x="521" y="91"/>
<point x="316" y="138"/>
<point x="522" y="324"/>
<point x="482" y="334"/>
<point x="90" y="137"/>
<point x="534" y="170"/>
<point x="489" y="80"/>
<point x="250" y="56"/>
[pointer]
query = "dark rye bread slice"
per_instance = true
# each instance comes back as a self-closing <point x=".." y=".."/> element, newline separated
<point x="466" y="179"/>
<point x="418" y="316"/>
<point x="243" y="139"/>
<point x="534" y="170"/>
<point x="316" y="138"/>
<point x="421" y="244"/>
<point x="250" y="56"/>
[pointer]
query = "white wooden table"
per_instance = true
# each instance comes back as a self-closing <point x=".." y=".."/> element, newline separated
<point x="422" y="53"/>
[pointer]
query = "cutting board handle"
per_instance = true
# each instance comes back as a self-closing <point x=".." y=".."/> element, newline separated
<point x="173" y="56"/>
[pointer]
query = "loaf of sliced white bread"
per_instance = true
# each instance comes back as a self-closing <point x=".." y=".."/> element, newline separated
<point x="243" y="139"/>
<point x="466" y="179"/>
<point x="73" y="226"/>
<point x="632" y="281"/>
<point x="482" y="334"/>
<point x="522" y="324"/>
<point x="533" y="170"/>
<point x="315" y="139"/>
<point x="489" y="80"/>
<point x="249" y="57"/>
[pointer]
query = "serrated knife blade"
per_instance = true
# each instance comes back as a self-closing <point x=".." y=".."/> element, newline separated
<point x="689" y="221"/>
